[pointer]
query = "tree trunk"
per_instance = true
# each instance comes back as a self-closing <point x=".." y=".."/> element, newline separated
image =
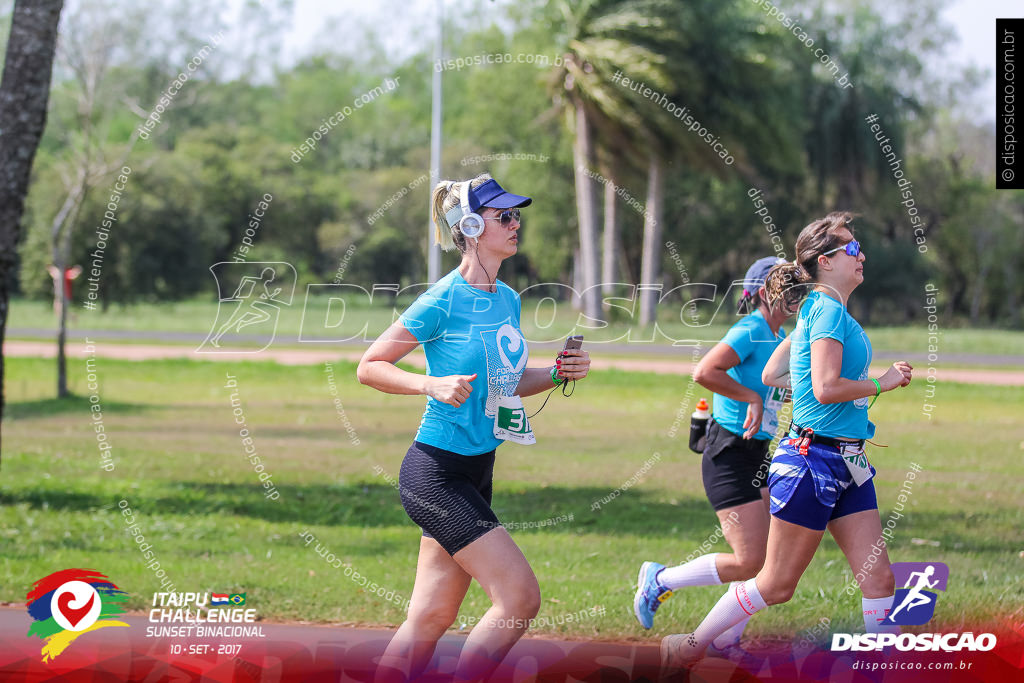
<point x="650" y="266"/>
<point x="610" y="238"/>
<point x="24" y="93"/>
<point x="1010" y="273"/>
<point x="60" y="232"/>
<point x="577" y="280"/>
<point x="977" y="295"/>
<point x="587" y="216"/>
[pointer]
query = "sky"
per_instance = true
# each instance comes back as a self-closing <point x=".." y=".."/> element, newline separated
<point x="975" y="21"/>
<point x="317" y="23"/>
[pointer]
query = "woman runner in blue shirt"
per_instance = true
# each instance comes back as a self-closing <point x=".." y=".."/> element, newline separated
<point x="735" y="460"/>
<point x="819" y="477"/>
<point x="468" y="323"/>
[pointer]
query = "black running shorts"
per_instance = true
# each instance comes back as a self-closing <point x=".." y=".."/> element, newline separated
<point x="448" y="495"/>
<point x="734" y="469"/>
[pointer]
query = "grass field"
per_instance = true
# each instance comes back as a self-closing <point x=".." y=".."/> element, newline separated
<point x="540" y="322"/>
<point x="180" y="466"/>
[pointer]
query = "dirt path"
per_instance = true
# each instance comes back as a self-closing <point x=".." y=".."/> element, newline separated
<point x="140" y="352"/>
<point x="302" y="652"/>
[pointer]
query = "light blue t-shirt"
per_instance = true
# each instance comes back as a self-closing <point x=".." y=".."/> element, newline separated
<point x="822" y="317"/>
<point x="753" y="341"/>
<point x="465" y="330"/>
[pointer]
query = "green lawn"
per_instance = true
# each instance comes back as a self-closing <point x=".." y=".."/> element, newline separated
<point x="180" y="466"/>
<point x="540" y="322"/>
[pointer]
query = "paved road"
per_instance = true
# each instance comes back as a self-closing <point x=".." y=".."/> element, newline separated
<point x="947" y="359"/>
<point x="320" y="354"/>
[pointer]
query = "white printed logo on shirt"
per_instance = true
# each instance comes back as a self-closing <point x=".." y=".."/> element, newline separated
<point x="506" y="354"/>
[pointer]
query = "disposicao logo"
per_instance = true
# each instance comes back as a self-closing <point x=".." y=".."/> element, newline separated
<point x="69" y="603"/>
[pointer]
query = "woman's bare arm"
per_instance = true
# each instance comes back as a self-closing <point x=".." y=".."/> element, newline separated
<point x="377" y="369"/>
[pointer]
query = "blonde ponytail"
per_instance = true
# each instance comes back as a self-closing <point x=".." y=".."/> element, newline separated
<point x="443" y="199"/>
<point x="438" y="198"/>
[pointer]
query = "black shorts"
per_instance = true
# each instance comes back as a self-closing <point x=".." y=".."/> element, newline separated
<point x="734" y="469"/>
<point x="448" y="495"/>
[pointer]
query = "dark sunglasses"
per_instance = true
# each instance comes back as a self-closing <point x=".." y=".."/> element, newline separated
<point x="506" y="217"/>
<point x="852" y="249"/>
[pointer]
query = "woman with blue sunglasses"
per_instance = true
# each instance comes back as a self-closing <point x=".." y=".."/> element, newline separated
<point x="820" y="477"/>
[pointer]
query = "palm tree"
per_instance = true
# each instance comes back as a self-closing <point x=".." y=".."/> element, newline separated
<point x="741" y="102"/>
<point x="667" y="46"/>
<point x="605" y="38"/>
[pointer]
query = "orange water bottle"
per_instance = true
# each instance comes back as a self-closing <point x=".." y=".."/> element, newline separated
<point x="699" y="426"/>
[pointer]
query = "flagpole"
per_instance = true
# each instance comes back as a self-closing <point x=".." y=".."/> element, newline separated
<point x="434" y="250"/>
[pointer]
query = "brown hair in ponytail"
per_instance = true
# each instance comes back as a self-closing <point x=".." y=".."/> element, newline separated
<point x="784" y="280"/>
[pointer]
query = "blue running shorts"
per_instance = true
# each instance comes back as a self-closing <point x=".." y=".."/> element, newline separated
<point x="813" y="489"/>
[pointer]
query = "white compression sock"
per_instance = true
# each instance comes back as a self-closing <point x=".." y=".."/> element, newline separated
<point x="732" y="636"/>
<point x="699" y="572"/>
<point x="875" y="610"/>
<point x="737" y="604"/>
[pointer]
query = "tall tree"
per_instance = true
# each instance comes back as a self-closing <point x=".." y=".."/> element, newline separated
<point x="604" y="40"/>
<point x="24" y="93"/>
<point x="85" y="50"/>
<point x="722" y="121"/>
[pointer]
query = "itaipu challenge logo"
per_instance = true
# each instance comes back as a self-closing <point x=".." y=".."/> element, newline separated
<point x="71" y="603"/>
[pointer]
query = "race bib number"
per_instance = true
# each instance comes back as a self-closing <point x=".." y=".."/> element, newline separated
<point x="772" y="406"/>
<point x="511" y="423"/>
<point x="857" y="462"/>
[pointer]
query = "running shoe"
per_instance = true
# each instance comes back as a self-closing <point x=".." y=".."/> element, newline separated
<point x="679" y="652"/>
<point x="733" y="652"/>
<point x="649" y="593"/>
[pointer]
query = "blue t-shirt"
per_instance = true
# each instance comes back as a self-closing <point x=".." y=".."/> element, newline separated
<point x="465" y="330"/>
<point x="822" y="317"/>
<point x="753" y="341"/>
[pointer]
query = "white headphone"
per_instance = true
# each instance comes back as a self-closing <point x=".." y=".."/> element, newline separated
<point x="469" y="223"/>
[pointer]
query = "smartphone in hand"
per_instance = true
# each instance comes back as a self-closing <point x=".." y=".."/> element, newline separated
<point x="572" y="343"/>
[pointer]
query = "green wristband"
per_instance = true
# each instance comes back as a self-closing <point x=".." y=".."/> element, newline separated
<point x="554" y="376"/>
<point x="878" y="390"/>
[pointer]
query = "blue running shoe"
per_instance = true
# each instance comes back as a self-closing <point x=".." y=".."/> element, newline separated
<point x="649" y="593"/>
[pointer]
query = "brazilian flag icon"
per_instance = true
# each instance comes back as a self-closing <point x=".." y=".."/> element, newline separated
<point x="237" y="599"/>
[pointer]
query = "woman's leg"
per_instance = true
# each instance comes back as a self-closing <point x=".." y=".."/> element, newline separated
<point x="790" y="549"/>
<point x="731" y="485"/>
<point x="746" y="530"/>
<point x="859" y="536"/>
<point x="500" y="567"/>
<point x="794" y="533"/>
<point x="440" y="587"/>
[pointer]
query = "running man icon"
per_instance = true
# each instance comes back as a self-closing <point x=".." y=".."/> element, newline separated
<point x="915" y="601"/>
<point x="915" y="598"/>
<point x="257" y="301"/>
<point x="250" y="310"/>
